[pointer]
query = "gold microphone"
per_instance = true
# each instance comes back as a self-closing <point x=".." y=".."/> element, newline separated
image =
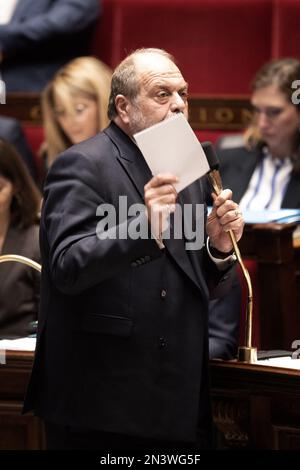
<point x="245" y="353"/>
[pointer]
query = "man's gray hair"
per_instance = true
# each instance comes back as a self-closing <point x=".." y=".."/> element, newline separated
<point x="124" y="79"/>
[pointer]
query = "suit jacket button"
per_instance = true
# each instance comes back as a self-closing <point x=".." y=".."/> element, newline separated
<point x="162" y="342"/>
<point x="163" y="293"/>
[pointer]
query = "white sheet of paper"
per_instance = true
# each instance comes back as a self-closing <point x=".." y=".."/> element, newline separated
<point x="20" y="344"/>
<point x="172" y="147"/>
<point x="286" y="362"/>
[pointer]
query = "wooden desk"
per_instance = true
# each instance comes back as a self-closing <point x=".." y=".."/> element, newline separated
<point x="271" y="245"/>
<point x="253" y="406"/>
<point x="17" y="431"/>
<point x="256" y="406"/>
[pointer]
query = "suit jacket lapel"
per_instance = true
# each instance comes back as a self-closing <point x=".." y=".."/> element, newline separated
<point x="189" y="258"/>
<point x="176" y="248"/>
<point x="130" y="157"/>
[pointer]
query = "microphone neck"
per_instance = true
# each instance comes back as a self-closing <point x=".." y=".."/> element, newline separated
<point x="216" y="181"/>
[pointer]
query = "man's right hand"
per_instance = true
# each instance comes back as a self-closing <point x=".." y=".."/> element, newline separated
<point x="160" y="198"/>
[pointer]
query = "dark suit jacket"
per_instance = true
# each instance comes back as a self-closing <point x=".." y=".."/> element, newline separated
<point x="237" y="166"/>
<point x="11" y="131"/>
<point x="42" y="36"/>
<point x="19" y="284"/>
<point x="122" y="340"/>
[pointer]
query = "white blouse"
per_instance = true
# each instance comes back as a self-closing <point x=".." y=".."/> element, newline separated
<point x="268" y="183"/>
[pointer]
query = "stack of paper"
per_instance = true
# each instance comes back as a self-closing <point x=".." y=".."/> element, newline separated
<point x="286" y="362"/>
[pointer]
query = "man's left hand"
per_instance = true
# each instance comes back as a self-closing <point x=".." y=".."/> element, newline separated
<point x="225" y="216"/>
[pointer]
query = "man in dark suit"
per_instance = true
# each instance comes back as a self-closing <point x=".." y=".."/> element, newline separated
<point x="11" y="131"/>
<point x="42" y="36"/>
<point x="122" y="349"/>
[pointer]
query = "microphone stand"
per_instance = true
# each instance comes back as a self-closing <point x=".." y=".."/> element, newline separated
<point x="22" y="260"/>
<point x="245" y="353"/>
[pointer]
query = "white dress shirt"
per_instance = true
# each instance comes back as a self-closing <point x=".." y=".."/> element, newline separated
<point x="268" y="184"/>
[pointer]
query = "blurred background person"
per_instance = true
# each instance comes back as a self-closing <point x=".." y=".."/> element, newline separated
<point x="19" y="207"/>
<point x="38" y="37"/>
<point x="224" y="323"/>
<point x="11" y="130"/>
<point x="265" y="172"/>
<point x="74" y="105"/>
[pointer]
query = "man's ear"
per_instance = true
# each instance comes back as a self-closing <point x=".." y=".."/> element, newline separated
<point x="122" y="106"/>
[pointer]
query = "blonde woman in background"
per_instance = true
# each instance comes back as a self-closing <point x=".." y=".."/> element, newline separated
<point x="74" y="105"/>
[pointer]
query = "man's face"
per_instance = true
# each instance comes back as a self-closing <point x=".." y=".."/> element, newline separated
<point x="163" y="92"/>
